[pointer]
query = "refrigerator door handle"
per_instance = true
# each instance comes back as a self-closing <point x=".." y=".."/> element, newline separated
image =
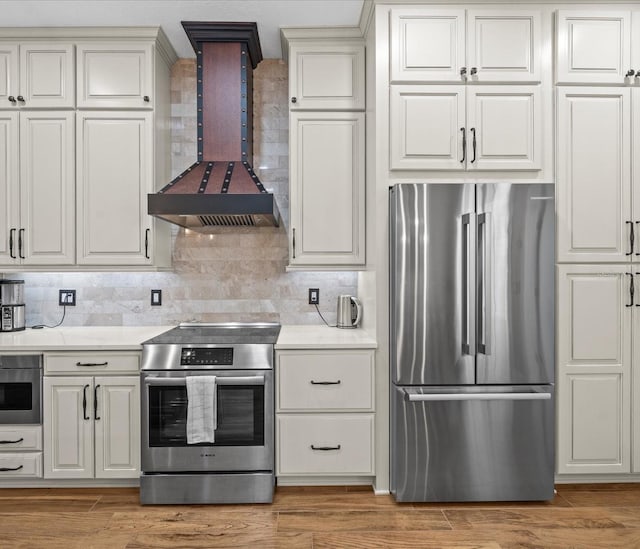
<point x="434" y="397"/>
<point x="484" y="304"/>
<point x="468" y="284"/>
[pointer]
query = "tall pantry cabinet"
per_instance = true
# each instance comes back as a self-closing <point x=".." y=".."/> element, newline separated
<point x="598" y="241"/>
<point x="74" y="177"/>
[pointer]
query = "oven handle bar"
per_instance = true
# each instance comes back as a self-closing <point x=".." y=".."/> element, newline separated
<point x="244" y="380"/>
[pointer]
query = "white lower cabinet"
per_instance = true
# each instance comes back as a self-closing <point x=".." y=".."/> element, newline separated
<point x="20" y="451"/>
<point x="596" y="325"/>
<point x="91" y="423"/>
<point x="325" y="413"/>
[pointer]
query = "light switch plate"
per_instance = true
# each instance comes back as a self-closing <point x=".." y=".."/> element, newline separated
<point x="156" y="298"/>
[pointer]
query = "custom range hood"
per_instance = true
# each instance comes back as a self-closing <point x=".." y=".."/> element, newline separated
<point x="221" y="188"/>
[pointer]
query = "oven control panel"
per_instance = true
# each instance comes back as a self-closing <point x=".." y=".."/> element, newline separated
<point x="206" y="356"/>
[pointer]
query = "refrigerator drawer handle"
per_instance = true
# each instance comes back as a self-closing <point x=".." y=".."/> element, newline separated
<point x="476" y="396"/>
<point x="326" y="382"/>
<point x="325" y="448"/>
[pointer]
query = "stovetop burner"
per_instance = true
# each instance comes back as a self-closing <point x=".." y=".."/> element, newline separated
<point x="231" y="333"/>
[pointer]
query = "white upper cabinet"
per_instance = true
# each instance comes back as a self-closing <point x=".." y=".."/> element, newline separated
<point x="457" y="128"/>
<point x="115" y="76"/>
<point x="594" y="47"/>
<point x="440" y="45"/>
<point x="326" y="76"/>
<point x="36" y="75"/>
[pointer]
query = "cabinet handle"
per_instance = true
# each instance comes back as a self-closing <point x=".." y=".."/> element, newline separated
<point x="464" y="145"/>
<point x="20" y="98"/>
<point x="294" y="243"/>
<point x="92" y="363"/>
<point x="325" y="448"/>
<point x="631" y="236"/>
<point x="630" y="72"/>
<point x="4" y="469"/>
<point x="20" y="233"/>
<point x="11" y="99"/>
<point x="294" y="99"/>
<point x="474" y="71"/>
<point x="638" y="223"/>
<point x="12" y="232"/>
<point x="463" y="73"/>
<point x="11" y="441"/>
<point x="84" y="403"/>
<point x="631" y="290"/>
<point x="638" y="73"/>
<point x="146" y="244"/>
<point x="95" y="402"/>
<point x="473" y="142"/>
<point x="637" y="304"/>
<point x="146" y="99"/>
<point x="326" y="382"/>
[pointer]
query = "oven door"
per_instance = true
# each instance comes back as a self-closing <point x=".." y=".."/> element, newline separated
<point x="243" y="438"/>
<point x="20" y="396"/>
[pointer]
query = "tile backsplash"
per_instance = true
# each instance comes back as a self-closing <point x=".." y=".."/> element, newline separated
<point x="227" y="274"/>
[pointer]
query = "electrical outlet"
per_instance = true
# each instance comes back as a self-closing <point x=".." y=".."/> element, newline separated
<point x="156" y="297"/>
<point x="67" y="298"/>
<point x="314" y="296"/>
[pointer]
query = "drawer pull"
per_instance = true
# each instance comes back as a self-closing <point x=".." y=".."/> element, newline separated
<point x="11" y="441"/>
<point x="4" y="469"/>
<point x="91" y="363"/>
<point x="325" y="448"/>
<point x="326" y="382"/>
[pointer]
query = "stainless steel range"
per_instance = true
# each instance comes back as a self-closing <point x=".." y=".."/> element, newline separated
<point x="238" y="466"/>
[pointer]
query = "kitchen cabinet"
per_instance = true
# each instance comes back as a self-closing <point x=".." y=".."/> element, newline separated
<point x="326" y="76"/>
<point x="37" y="187"/>
<point x="20" y="451"/>
<point x="327" y="189"/>
<point x="114" y="164"/>
<point x="594" y="47"/>
<point x="324" y="414"/>
<point x="596" y="364"/>
<point x="456" y="45"/>
<point x="115" y="76"/>
<point x="598" y="191"/>
<point x="36" y="75"/>
<point x="440" y="127"/>
<point x="91" y="415"/>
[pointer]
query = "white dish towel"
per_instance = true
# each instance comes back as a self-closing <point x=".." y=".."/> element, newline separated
<point x="202" y="409"/>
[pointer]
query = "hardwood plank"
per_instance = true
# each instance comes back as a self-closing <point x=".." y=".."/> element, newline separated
<point x="558" y="501"/>
<point x="332" y="521"/>
<point x="229" y="541"/>
<point x="321" y="500"/>
<point x="609" y="498"/>
<point x="53" y="504"/>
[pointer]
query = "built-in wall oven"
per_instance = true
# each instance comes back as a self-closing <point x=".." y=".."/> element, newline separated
<point x="238" y="467"/>
<point x="20" y="389"/>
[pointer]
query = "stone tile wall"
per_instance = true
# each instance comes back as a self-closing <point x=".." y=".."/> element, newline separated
<point x="228" y="274"/>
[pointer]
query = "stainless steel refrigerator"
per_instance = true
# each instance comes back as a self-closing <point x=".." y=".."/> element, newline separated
<point x="472" y="342"/>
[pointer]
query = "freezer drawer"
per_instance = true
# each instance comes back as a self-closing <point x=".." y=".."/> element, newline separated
<point x="489" y="443"/>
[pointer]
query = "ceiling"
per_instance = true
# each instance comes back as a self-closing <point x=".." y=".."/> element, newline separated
<point x="269" y="14"/>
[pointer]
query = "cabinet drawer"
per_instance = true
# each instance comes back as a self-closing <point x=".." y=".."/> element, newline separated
<point x="91" y="363"/>
<point x="20" y="437"/>
<point x="26" y="464"/>
<point x="325" y="381"/>
<point x="326" y="444"/>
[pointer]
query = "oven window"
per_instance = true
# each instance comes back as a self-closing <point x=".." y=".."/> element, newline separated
<point x="15" y="396"/>
<point x="240" y="416"/>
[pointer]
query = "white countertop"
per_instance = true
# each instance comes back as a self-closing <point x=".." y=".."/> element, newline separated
<point x="79" y="338"/>
<point x="118" y="338"/>
<point x="324" y="337"/>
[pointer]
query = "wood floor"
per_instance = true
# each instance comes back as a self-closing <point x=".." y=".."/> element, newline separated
<point x="580" y="516"/>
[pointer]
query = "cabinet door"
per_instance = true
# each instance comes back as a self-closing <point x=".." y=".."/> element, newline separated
<point x="503" y="46"/>
<point x="594" y="174"/>
<point x="593" y="46"/>
<point x="114" y="164"/>
<point x="68" y="427"/>
<point x="46" y="234"/>
<point x="327" y="189"/>
<point x="115" y="76"/>
<point x="326" y="76"/>
<point x="8" y="75"/>
<point x="427" y="45"/>
<point x="117" y="426"/>
<point x="594" y="369"/>
<point x="9" y="188"/>
<point x="635" y="167"/>
<point x="504" y="126"/>
<point x="427" y="127"/>
<point x="46" y="75"/>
